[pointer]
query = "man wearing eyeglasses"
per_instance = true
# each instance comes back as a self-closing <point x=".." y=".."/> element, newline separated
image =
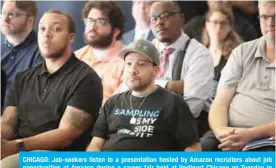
<point x="104" y="23"/>
<point x="194" y="79"/>
<point x="244" y="108"/>
<point x="19" y="49"/>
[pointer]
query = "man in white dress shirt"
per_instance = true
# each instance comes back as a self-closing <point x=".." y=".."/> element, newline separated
<point x="196" y="73"/>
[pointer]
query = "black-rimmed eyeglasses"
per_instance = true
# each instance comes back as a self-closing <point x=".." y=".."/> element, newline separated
<point x="265" y="18"/>
<point x="163" y="16"/>
<point x="97" y="22"/>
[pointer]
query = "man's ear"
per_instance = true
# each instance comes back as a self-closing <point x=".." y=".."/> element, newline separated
<point x="72" y="37"/>
<point x="156" y="70"/>
<point x="116" y="32"/>
<point x="31" y="20"/>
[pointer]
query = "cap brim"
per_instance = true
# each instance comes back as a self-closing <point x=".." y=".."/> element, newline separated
<point x="126" y="51"/>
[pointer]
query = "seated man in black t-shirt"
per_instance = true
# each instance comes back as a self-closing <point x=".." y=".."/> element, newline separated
<point x="147" y="117"/>
<point x="54" y="105"/>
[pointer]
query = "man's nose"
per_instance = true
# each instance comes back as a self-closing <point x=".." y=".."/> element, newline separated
<point x="133" y="69"/>
<point x="47" y="34"/>
<point x="5" y="17"/>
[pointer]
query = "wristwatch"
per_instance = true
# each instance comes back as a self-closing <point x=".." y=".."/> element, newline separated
<point x="20" y="145"/>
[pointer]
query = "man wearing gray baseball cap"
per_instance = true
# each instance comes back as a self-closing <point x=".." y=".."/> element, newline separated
<point x="147" y="117"/>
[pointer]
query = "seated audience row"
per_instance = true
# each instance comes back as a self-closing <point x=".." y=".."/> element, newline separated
<point x="54" y="105"/>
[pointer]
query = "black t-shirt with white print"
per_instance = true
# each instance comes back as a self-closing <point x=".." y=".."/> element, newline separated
<point x="163" y="122"/>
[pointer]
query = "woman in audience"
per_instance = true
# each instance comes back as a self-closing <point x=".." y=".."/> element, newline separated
<point x="220" y="37"/>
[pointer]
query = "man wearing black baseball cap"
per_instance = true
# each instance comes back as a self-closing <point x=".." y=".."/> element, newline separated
<point x="147" y="117"/>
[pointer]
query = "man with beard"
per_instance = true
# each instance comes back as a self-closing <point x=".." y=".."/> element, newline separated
<point x="140" y="13"/>
<point x="50" y="108"/>
<point x="147" y="117"/>
<point x="19" y="49"/>
<point x="186" y="66"/>
<point x="104" y="23"/>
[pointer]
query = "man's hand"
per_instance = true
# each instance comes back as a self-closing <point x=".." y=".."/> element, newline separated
<point x="236" y="140"/>
<point x="8" y="148"/>
<point x="176" y="86"/>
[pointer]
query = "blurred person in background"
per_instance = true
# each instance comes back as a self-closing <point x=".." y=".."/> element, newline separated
<point x="140" y="13"/>
<point x="220" y="37"/>
<point x="19" y="48"/>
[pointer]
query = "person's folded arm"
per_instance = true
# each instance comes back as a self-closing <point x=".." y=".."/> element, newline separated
<point x="265" y="130"/>
<point x="240" y="137"/>
<point x="228" y="83"/>
<point x="218" y="115"/>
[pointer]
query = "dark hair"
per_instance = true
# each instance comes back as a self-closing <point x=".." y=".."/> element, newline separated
<point x="111" y="10"/>
<point x="71" y="23"/>
<point x="172" y="3"/>
<point x="29" y="7"/>
<point x="232" y="40"/>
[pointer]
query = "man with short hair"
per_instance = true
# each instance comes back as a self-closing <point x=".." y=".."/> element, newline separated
<point x="104" y="24"/>
<point x="244" y="108"/>
<point x="19" y="49"/>
<point x="186" y="65"/>
<point x="140" y="13"/>
<point x="147" y="117"/>
<point x="50" y="108"/>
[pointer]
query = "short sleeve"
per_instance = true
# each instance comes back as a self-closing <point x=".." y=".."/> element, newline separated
<point x="101" y="126"/>
<point x="184" y="127"/>
<point x="232" y="71"/>
<point x="88" y="95"/>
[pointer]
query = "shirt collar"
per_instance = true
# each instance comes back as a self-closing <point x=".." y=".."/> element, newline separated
<point x="260" y="52"/>
<point x="30" y="38"/>
<point x="65" y="69"/>
<point x="140" y="32"/>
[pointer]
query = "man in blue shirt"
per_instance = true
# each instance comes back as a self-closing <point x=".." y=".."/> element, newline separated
<point x="19" y="49"/>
